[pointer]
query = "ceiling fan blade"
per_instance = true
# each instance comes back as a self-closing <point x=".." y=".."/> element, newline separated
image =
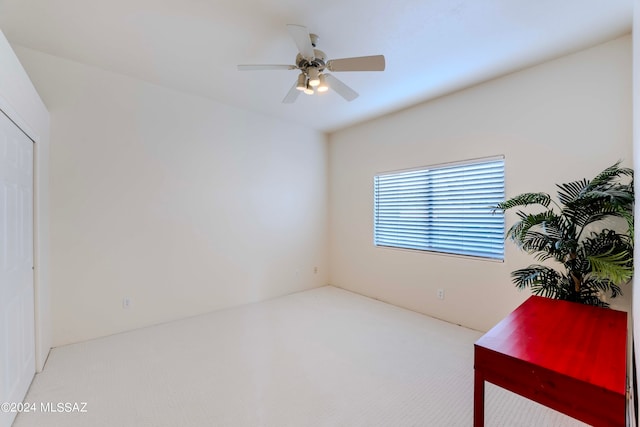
<point x="302" y="39"/>
<point x="360" y="63"/>
<point x="253" y="67"/>
<point x="292" y="95"/>
<point x="341" y="89"/>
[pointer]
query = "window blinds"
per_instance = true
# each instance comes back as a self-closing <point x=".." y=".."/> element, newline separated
<point x="443" y="209"/>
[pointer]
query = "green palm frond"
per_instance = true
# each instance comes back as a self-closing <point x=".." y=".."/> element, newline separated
<point x="605" y="242"/>
<point x="590" y="296"/>
<point x="616" y="195"/>
<point x="572" y="190"/>
<point x="583" y="212"/>
<point x="627" y="215"/>
<point x="602" y="286"/>
<point x="541" y="279"/>
<point x="518" y="232"/>
<point x="599" y="287"/>
<point x="614" y="264"/>
<point x="595" y="265"/>
<point x="604" y="196"/>
<point x="525" y="199"/>
<point x="577" y="264"/>
<point x="614" y="268"/>
<point x="545" y="235"/>
<point x="536" y="241"/>
<point x="610" y="173"/>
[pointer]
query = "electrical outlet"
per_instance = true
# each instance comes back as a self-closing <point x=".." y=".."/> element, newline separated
<point x="126" y="302"/>
<point x="440" y="293"/>
<point x="315" y="270"/>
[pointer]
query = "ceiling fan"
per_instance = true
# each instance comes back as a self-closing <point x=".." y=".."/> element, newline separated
<point x="313" y="66"/>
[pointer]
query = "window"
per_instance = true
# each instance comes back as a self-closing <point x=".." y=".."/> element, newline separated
<point x="446" y="208"/>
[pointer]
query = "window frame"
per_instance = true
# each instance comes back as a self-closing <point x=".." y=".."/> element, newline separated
<point x="496" y="219"/>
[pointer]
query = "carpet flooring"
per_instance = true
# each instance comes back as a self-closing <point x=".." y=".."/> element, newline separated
<point x="320" y="358"/>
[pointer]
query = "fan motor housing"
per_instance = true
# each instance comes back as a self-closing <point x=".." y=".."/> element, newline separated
<point x="319" y="60"/>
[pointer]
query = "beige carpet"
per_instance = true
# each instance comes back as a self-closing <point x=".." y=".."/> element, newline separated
<point x="325" y="357"/>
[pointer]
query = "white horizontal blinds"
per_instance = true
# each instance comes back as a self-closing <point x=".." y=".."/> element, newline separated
<point x="401" y="204"/>
<point x="461" y="210"/>
<point x="444" y="209"/>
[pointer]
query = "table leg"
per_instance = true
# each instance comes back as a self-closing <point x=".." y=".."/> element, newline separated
<point x="478" y="399"/>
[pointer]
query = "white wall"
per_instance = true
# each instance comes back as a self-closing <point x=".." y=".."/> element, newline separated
<point x="186" y="205"/>
<point x="557" y="122"/>
<point x="20" y="101"/>
<point x="178" y="202"/>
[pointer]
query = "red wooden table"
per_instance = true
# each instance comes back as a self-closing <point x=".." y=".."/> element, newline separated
<point x="567" y="356"/>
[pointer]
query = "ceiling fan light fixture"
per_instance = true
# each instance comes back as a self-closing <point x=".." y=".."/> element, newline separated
<point x="302" y="82"/>
<point x="312" y="63"/>
<point x="308" y="90"/>
<point x="314" y="79"/>
<point x="322" y="87"/>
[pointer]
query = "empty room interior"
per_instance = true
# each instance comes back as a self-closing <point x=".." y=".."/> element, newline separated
<point x="218" y="213"/>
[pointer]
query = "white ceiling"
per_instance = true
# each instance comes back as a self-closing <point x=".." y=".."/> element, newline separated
<point x="431" y="46"/>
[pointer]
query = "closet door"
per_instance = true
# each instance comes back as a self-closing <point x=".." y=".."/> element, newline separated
<point x="17" y="334"/>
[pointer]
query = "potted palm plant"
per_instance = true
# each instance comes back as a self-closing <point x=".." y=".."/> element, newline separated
<point x="589" y="232"/>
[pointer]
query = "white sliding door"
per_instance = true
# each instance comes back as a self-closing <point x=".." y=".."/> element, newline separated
<point x="17" y="340"/>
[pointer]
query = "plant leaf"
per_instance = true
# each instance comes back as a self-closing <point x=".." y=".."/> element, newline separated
<point x="571" y="191"/>
<point x="616" y="267"/>
<point x="595" y="265"/>
<point x="541" y="279"/>
<point x="525" y="199"/>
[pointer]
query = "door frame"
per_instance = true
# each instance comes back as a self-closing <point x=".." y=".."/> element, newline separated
<point x="42" y="332"/>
